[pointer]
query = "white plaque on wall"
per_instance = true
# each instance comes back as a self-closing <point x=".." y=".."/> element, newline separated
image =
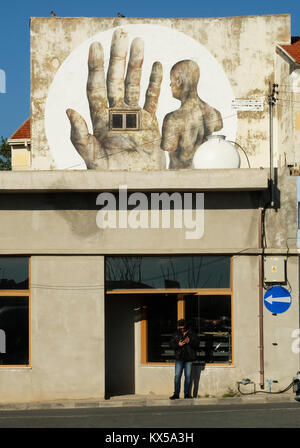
<point x="251" y="105"/>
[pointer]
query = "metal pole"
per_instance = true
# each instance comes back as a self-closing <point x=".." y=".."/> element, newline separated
<point x="260" y="303"/>
<point x="272" y="101"/>
<point x="271" y="148"/>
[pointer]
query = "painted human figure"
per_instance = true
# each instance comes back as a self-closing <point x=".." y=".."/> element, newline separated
<point x="186" y="128"/>
<point x="119" y="149"/>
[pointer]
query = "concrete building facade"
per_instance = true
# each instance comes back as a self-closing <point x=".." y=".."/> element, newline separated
<point x="131" y="216"/>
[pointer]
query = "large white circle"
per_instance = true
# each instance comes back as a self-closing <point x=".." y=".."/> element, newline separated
<point x="68" y="89"/>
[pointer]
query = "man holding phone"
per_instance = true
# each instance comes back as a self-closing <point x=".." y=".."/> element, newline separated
<point x="185" y="343"/>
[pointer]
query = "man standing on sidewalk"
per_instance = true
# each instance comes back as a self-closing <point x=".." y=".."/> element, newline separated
<point x="185" y="343"/>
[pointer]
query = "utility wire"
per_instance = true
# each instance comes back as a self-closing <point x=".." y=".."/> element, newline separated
<point x="98" y="286"/>
<point x="288" y="100"/>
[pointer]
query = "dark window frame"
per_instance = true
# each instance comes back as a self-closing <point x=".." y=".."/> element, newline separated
<point x="182" y="315"/>
<point x="19" y="293"/>
<point x="181" y="292"/>
<point x="124" y="114"/>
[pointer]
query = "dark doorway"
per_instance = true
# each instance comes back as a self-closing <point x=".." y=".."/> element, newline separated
<point x="119" y="345"/>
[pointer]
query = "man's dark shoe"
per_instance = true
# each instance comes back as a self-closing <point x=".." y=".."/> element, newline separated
<point x="174" y="397"/>
<point x="187" y="396"/>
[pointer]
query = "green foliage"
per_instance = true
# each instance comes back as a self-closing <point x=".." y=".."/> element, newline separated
<point x="230" y="393"/>
<point x="5" y="155"/>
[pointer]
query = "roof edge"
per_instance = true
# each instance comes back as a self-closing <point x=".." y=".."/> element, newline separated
<point x="19" y="128"/>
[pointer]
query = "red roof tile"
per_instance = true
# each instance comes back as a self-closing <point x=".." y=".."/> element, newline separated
<point x="23" y="132"/>
<point x="293" y="50"/>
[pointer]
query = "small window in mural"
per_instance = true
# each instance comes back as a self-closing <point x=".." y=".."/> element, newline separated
<point x="14" y="330"/>
<point x="117" y="121"/>
<point x="14" y="273"/>
<point x="124" y="121"/>
<point x="168" y="272"/>
<point x="131" y="121"/>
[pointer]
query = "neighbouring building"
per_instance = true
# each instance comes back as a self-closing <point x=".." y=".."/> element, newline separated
<point x="20" y="143"/>
<point x="162" y="183"/>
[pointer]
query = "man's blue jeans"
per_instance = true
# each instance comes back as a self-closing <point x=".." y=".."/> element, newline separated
<point x="181" y="366"/>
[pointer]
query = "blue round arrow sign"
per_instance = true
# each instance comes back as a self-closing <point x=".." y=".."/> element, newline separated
<point x="277" y="299"/>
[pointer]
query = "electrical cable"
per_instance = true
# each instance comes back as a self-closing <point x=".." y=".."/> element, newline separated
<point x="98" y="286"/>
<point x="242" y="150"/>
<point x="265" y="391"/>
<point x="67" y="287"/>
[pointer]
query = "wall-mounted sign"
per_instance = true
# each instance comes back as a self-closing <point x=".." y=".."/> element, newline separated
<point x="277" y="299"/>
<point x="244" y="105"/>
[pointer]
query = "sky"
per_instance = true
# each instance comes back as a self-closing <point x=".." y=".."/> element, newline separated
<point x="15" y="35"/>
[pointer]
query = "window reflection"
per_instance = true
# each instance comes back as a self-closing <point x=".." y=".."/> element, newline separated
<point x="14" y="273"/>
<point x="168" y="272"/>
<point x="162" y="320"/>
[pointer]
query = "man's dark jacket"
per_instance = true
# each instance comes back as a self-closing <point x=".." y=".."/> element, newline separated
<point x="187" y="352"/>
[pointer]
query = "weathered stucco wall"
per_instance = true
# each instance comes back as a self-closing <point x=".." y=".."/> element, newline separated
<point x="295" y="89"/>
<point x="68" y="345"/>
<point x="61" y="222"/>
<point x="67" y="332"/>
<point x="65" y="223"/>
<point x="280" y="361"/>
<point x="281" y="342"/>
<point x="283" y="148"/>
<point x="281" y="223"/>
<point x="242" y="47"/>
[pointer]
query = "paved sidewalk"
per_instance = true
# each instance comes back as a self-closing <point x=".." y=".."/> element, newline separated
<point x="149" y="400"/>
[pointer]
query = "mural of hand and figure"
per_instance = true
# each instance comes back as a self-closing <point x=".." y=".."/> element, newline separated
<point x="186" y="128"/>
<point x="125" y="136"/>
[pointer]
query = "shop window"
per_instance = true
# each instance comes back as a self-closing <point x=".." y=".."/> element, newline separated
<point x="210" y="317"/>
<point x="161" y="315"/>
<point x="14" y="311"/>
<point x="122" y="121"/>
<point x="197" y="288"/>
<point x="181" y="272"/>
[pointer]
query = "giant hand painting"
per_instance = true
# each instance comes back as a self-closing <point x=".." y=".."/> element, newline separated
<point x="111" y="105"/>
<point x="124" y="135"/>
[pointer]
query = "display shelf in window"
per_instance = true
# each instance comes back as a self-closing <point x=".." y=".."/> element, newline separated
<point x="215" y="347"/>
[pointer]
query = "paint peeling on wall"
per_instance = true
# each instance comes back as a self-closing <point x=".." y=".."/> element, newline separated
<point x="105" y="131"/>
